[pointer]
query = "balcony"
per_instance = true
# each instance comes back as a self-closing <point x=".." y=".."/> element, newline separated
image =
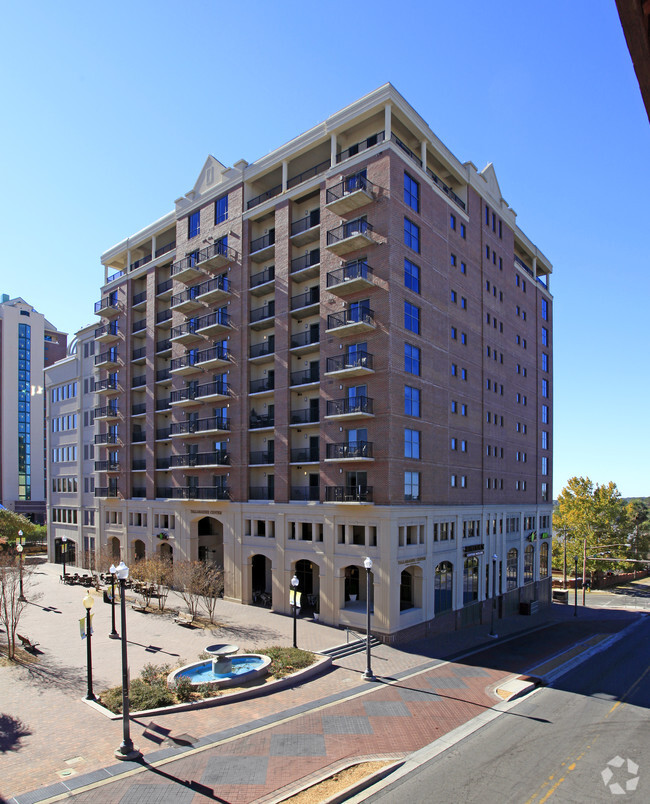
<point x="355" y="364"/>
<point x="139" y="465"/>
<point x="164" y="346"/>
<point x="185" y="333"/>
<point x="162" y="464"/>
<point x="260" y="493"/>
<point x="212" y="358"/>
<point x="264" y="385"/>
<point x="260" y="352"/>
<point x="263" y="317"/>
<point x="186" y="270"/>
<point x="108" y="307"/>
<point x="265" y="196"/>
<point x="350" y="451"/>
<point x="164" y="289"/>
<point x="262" y="457"/>
<point x="305" y="493"/>
<point x="106" y="491"/>
<point x="306" y="229"/>
<point x="139" y="492"/>
<point x="354" y="321"/>
<point x="165" y="249"/>
<point x="262" y="248"/>
<point x="260" y="283"/>
<point x="107" y="359"/>
<point x="350" y="278"/>
<point x="195" y="493"/>
<point x="164" y="319"/>
<point x="350" y="236"/>
<point x="139" y="326"/>
<point x="138" y="437"/>
<point x="216" y="255"/>
<point x="305" y="416"/>
<point x="139" y="300"/>
<point x="186" y="364"/>
<point x="352" y="193"/>
<point x="107" y="466"/>
<point x="106" y="413"/>
<point x="163" y="375"/>
<point x="348" y="494"/>
<point x="307" y="266"/>
<point x="304" y="304"/>
<point x="163" y="404"/>
<point x="139" y="355"/>
<point x="216" y="289"/>
<point x="107" y="386"/>
<point x="192" y="395"/>
<point x="139" y="381"/>
<point x="260" y="421"/>
<point x="354" y="407"/>
<point x="213" y="324"/>
<point x="359" y="147"/>
<point x="308" y="376"/>
<point x="310" y="173"/>
<point x="163" y="433"/>
<point x="106" y="438"/>
<point x="304" y="455"/>
<point x="186" y="301"/>
<point x="204" y="459"/>
<point x="107" y="333"/>
<point x="303" y="342"/>
<point x="200" y="427"/>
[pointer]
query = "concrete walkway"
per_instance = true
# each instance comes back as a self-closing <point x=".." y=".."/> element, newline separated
<point x="54" y="743"/>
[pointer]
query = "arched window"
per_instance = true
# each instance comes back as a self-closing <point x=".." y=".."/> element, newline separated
<point x="529" y="563"/>
<point x="443" y="587"/>
<point x="138" y="549"/>
<point x="470" y="580"/>
<point x="543" y="560"/>
<point x="512" y="569"/>
<point x="406" y="590"/>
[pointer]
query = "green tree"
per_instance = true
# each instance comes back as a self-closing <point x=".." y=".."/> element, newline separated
<point x="10" y="524"/>
<point x="639" y="537"/>
<point x="595" y="514"/>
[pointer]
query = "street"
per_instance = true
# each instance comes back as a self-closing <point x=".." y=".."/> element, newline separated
<point x="580" y="741"/>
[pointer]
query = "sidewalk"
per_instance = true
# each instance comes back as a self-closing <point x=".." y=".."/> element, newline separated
<point x="269" y="742"/>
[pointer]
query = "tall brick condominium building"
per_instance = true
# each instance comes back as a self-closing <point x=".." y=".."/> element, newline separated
<point x="340" y="351"/>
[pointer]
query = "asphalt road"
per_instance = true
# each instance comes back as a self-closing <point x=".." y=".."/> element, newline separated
<point x="574" y="742"/>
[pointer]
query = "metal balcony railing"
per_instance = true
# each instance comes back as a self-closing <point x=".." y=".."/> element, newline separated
<point x="304" y="416"/>
<point x="258" y="420"/>
<point x="261" y="278"/>
<point x="260" y="493"/>
<point x="294" y="181"/>
<point x="261" y="456"/>
<point x="350" y="184"/>
<point x="350" y="361"/>
<point x="263" y="242"/>
<point x="348" y="493"/>
<point x="262" y="384"/>
<point x="358" y="147"/>
<point x="347" y="405"/>
<point x="261" y="349"/>
<point x="215" y="458"/>
<point x="305" y="493"/>
<point x="200" y="425"/>
<point x="260" y="313"/>
<point x="304" y="455"/>
<point x="308" y="222"/>
<point x="305" y="377"/>
<point x="306" y="261"/>
<point x="350" y="449"/>
<point x="353" y="270"/>
<point x="356" y="315"/>
<point x="349" y="229"/>
<point x="305" y="338"/>
<point x="312" y="296"/>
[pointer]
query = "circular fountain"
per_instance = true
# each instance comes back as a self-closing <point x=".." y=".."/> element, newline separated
<point x="224" y="669"/>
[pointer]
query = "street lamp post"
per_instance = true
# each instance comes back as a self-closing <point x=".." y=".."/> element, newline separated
<point x="494" y="594"/>
<point x="126" y="749"/>
<point x="64" y="550"/>
<point x="19" y="547"/>
<point x="575" y="588"/>
<point x="88" y="604"/>
<point x="368" y="675"/>
<point x="294" y="584"/>
<point x="113" y="634"/>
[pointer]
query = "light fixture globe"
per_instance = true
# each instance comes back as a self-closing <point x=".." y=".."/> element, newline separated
<point x="295" y="581"/>
<point x="88" y="601"/>
<point x="121" y="571"/>
<point x="367" y="563"/>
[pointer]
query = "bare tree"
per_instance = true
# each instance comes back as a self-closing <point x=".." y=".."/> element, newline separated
<point x="11" y="605"/>
<point x="188" y="582"/>
<point x="211" y="588"/>
<point x="162" y="575"/>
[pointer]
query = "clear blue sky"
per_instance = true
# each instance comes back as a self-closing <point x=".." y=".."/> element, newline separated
<point x="109" y="111"/>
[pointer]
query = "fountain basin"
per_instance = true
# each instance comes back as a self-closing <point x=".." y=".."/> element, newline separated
<point x="246" y="667"/>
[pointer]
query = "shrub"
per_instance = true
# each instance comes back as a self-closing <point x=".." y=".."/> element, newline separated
<point x="287" y="660"/>
<point x="150" y="696"/>
<point x="112" y="699"/>
<point x="183" y="689"/>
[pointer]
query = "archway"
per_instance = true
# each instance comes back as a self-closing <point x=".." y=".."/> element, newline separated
<point x="139" y="551"/>
<point x="167" y="552"/>
<point x="529" y="563"/>
<point x="543" y="560"/>
<point x="261" y="581"/>
<point x="115" y="548"/>
<point x="470" y="580"/>
<point x="356" y="588"/>
<point x="512" y="569"/>
<point x="308" y="575"/>
<point x="443" y="587"/>
<point x="210" y="532"/>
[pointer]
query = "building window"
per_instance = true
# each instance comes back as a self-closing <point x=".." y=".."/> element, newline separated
<point x="411" y="485"/>
<point x="411" y="401"/>
<point x="544" y="310"/>
<point x="463" y="303"/>
<point x="411" y="276"/>
<point x="463" y="374"/>
<point x="544" y="466"/>
<point x="452" y="221"/>
<point x="544" y="361"/>
<point x="411" y="359"/>
<point x="411" y="443"/>
<point x="452" y="260"/>
<point x="463" y="231"/>
<point x="463" y="268"/>
<point x="411" y="192"/>
<point x="221" y="209"/>
<point x="454" y="370"/>
<point x="453" y="444"/>
<point x="463" y="338"/>
<point x="470" y="580"/>
<point x="545" y="389"/>
<point x="454" y="333"/>
<point x="463" y="410"/>
<point x="544" y="336"/>
<point x="412" y="318"/>
<point x="194" y="224"/>
<point x="453" y="296"/>
<point x="544" y="439"/>
<point x="512" y="562"/>
<point x="454" y="406"/>
<point x="411" y="235"/>
<point x="453" y="481"/>
<point x="443" y="586"/>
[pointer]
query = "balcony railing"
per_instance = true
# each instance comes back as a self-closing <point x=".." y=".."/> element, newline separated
<point x="105" y="491"/>
<point x="260" y="313"/>
<point x="349" y="405"/>
<point x="162" y="463"/>
<point x="139" y="298"/>
<point x="218" y="318"/>
<point x="306" y="223"/>
<point x="138" y="464"/>
<point x="163" y="374"/>
<point x="261" y="349"/>
<point x="187" y="328"/>
<point x="523" y="266"/>
<point x="107" y="411"/>
<point x="162" y="404"/>
<point x="216" y="249"/>
<point x="349" y="449"/>
<point x="138" y="436"/>
<point x="142" y="261"/>
<point x="217" y="283"/>
<point x="164" y="287"/>
<point x="184" y="296"/>
<point x="106" y="357"/>
<point x="107" y="329"/>
<point x="196" y="392"/>
<point x="261" y="278"/>
<point x="359" y="226"/>
<point x="294" y="181"/>
<point x="109" y="384"/>
<point x="261" y="456"/>
<point x="263" y="384"/>
<point x="165" y="249"/>
<point x="200" y="425"/>
<point x="259" y="420"/>
<point x="351" y="184"/>
<point x="107" y="304"/>
<point x="305" y="416"/>
<point x="305" y="455"/>
<point x="265" y="241"/>
<point x="362" y="494"/>
<point x="350" y="272"/>
<point x="139" y="354"/>
<point x="162" y="316"/>
<point x="357" y="315"/>
<point x="305" y="493"/>
<point x="184" y="361"/>
<point x="163" y="346"/>
<point x="213" y="353"/>
<point x="362" y="360"/>
<point x="138" y="326"/>
<point x="107" y="466"/>
<point x="306" y="261"/>
<point x="259" y="199"/>
<point x="195" y="493"/>
<point x="163" y="433"/>
<point x="312" y="296"/>
<point x="139" y="381"/>
<point x="306" y="338"/>
<point x="215" y="458"/>
<point x="106" y="438"/>
<point x="305" y="377"/>
<point x="139" y="492"/>
<point x="358" y="147"/>
<point x="260" y="493"/>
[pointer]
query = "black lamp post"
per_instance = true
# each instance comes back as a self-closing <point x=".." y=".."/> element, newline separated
<point x="368" y="675"/>
<point x="88" y="604"/>
<point x="19" y="547"/>
<point x="575" y="588"/>
<point x="113" y="634"/>
<point x="64" y="550"/>
<point x="126" y="749"/>
<point x="494" y="594"/>
<point x="294" y="585"/>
